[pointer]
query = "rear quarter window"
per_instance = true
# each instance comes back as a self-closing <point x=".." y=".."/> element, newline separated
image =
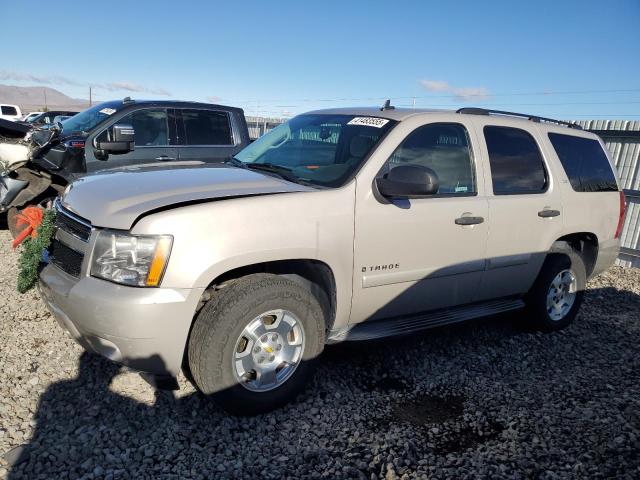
<point x="585" y="163"/>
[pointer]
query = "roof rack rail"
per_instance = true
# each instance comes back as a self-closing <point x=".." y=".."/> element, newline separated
<point x="533" y="118"/>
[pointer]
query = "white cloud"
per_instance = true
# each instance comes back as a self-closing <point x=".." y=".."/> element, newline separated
<point x="8" y="75"/>
<point x="132" y="87"/>
<point x="213" y="99"/>
<point x="459" y="93"/>
<point x="435" y="85"/>
<point x="46" y="79"/>
<point x="470" y="93"/>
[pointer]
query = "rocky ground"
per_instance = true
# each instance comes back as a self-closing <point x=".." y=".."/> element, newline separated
<point x="488" y="399"/>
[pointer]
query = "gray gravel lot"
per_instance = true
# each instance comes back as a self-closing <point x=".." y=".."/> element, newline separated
<point x="482" y="400"/>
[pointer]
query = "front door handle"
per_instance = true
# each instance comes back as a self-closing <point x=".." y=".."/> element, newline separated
<point x="164" y="158"/>
<point x="469" y="220"/>
<point x="548" y="213"/>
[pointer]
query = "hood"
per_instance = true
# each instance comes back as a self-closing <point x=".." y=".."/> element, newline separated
<point x="116" y="198"/>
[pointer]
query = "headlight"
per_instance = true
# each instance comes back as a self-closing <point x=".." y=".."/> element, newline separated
<point x="138" y="260"/>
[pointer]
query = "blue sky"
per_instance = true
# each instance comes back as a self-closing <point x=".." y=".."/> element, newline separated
<point x="558" y="58"/>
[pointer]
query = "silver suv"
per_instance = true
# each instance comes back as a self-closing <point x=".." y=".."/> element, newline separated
<point x="343" y="224"/>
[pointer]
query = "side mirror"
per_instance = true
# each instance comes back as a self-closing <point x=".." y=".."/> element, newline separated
<point x="408" y="181"/>
<point x="119" y="139"/>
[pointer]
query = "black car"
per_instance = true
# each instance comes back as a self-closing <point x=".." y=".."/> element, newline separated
<point x="116" y="134"/>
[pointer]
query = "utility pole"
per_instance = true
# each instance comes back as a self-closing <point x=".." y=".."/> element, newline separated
<point x="90" y="102"/>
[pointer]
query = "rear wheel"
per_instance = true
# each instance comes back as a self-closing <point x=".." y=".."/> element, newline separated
<point x="253" y="346"/>
<point x="556" y="296"/>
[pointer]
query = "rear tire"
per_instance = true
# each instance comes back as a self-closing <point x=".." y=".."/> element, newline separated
<point x="555" y="298"/>
<point x="243" y="310"/>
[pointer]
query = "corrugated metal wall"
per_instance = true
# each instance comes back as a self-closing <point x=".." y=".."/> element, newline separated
<point x="625" y="151"/>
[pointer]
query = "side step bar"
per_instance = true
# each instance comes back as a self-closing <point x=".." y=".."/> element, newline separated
<point x="402" y="325"/>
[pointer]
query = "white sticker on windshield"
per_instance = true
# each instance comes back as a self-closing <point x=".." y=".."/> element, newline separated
<point x="369" y="122"/>
<point x="108" y="111"/>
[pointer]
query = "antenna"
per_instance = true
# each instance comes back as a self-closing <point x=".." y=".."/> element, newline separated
<point x="387" y="106"/>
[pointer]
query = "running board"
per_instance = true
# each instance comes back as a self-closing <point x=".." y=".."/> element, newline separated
<point x="389" y="327"/>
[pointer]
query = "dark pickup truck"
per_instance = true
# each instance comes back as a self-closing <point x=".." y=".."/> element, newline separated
<point x="117" y="134"/>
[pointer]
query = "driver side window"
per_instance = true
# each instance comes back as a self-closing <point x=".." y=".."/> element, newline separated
<point x="445" y="149"/>
<point x="151" y="127"/>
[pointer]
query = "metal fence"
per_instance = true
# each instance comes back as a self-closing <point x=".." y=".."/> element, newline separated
<point x="622" y="138"/>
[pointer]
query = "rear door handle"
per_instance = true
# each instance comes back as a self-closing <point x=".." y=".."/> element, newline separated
<point x="469" y="220"/>
<point x="548" y="213"/>
<point x="164" y="158"/>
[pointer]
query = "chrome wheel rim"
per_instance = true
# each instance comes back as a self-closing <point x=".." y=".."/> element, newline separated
<point x="561" y="295"/>
<point x="268" y="350"/>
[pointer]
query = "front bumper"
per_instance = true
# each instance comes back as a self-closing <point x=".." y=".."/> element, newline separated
<point x="143" y="328"/>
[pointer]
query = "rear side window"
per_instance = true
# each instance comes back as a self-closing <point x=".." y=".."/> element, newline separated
<point x="585" y="163"/>
<point x="206" y="127"/>
<point x="445" y="149"/>
<point x="516" y="161"/>
<point x="8" y="110"/>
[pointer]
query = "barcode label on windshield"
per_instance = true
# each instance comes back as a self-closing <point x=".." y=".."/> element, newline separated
<point x="369" y="122"/>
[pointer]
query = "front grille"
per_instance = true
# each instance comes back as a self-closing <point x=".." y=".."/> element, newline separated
<point x="65" y="258"/>
<point x="72" y="224"/>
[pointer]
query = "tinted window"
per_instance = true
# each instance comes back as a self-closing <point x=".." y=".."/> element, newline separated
<point x="206" y="127"/>
<point x="516" y="162"/>
<point x="6" y="110"/>
<point x="444" y="148"/>
<point x="585" y="163"/>
<point x="150" y="125"/>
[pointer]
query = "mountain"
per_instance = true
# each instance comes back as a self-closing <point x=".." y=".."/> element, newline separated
<point x="33" y="98"/>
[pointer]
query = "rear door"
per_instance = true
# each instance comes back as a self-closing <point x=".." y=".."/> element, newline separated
<point x="206" y="134"/>
<point x="525" y="204"/>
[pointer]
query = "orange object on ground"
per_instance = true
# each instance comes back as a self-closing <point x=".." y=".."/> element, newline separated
<point x="32" y="218"/>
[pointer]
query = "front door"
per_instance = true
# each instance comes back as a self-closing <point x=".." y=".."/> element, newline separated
<point x="420" y="254"/>
<point x="152" y="141"/>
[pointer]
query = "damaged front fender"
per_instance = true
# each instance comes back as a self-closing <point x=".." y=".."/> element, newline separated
<point x="20" y="186"/>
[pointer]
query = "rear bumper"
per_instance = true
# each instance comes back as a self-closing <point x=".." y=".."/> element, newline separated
<point x="143" y="328"/>
<point x="608" y="252"/>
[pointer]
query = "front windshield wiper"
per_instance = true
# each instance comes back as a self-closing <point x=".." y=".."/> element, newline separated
<point x="285" y="173"/>
<point x="235" y="161"/>
<point x="282" y="172"/>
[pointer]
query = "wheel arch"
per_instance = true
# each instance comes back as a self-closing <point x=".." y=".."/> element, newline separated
<point x="315" y="274"/>
<point x="585" y="244"/>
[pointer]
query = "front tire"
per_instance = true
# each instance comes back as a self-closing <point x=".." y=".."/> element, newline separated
<point x="254" y="345"/>
<point x="555" y="298"/>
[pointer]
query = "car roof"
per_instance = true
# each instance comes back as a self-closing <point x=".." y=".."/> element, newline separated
<point x="398" y="114"/>
<point x="174" y="103"/>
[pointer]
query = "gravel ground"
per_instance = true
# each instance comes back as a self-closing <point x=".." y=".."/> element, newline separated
<point x="487" y="399"/>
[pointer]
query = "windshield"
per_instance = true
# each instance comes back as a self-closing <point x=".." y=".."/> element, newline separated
<point x="319" y="149"/>
<point x="90" y="118"/>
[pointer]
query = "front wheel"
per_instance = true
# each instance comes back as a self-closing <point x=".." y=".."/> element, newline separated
<point x="253" y="346"/>
<point x="555" y="298"/>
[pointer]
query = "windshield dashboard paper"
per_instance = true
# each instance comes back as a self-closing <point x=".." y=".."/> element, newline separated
<point x="369" y="121"/>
